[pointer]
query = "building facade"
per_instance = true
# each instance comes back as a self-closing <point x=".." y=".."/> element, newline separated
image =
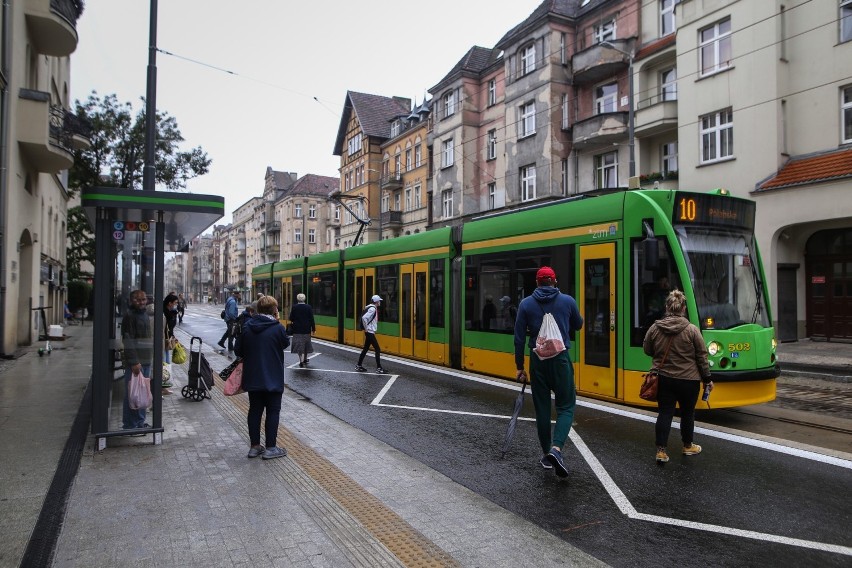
<point x="39" y="136"/>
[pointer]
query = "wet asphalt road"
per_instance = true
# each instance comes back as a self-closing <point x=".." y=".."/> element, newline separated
<point x="617" y="504"/>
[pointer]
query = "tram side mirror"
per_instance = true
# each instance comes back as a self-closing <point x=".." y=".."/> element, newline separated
<point x="651" y="252"/>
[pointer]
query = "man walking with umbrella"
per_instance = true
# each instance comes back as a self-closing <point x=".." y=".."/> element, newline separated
<point x="554" y="374"/>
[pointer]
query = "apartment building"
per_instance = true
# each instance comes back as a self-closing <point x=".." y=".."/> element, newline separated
<point x="309" y="219"/>
<point x="237" y="271"/>
<point x="40" y="135"/>
<point x="405" y="173"/>
<point x="364" y="126"/>
<point x="274" y="185"/>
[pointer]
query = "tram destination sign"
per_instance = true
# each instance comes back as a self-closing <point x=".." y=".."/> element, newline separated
<point x="714" y="210"/>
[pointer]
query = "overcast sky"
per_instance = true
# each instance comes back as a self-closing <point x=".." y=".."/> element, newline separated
<point x="262" y="83"/>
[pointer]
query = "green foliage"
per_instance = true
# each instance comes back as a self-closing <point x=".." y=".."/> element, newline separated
<point x="81" y="244"/>
<point x="79" y="294"/>
<point x="117" y="155"/>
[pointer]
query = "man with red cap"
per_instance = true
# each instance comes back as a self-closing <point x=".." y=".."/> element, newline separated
<point x="555" y="374"/>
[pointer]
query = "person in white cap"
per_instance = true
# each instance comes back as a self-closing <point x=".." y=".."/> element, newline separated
<point x="369" y="322"/>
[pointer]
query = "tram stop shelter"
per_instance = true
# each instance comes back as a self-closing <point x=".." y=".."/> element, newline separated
<point x="133" y="232"/>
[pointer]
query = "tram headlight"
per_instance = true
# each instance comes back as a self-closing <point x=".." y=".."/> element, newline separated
<point x="774" y="344"/>
<point x="714" y="348"/>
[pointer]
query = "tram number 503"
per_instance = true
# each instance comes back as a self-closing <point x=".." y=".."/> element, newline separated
<point x="688" y="209"/>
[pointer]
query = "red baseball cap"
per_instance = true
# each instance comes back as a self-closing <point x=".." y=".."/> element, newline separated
<point x="545" y="272"/>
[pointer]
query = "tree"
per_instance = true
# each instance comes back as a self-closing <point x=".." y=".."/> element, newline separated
<point x="116" y="158"/>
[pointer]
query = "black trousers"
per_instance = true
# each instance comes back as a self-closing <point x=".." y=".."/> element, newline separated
<point x="271" y="403"/>
<point x="671" y="392"/>
<point x="370" y="339"/>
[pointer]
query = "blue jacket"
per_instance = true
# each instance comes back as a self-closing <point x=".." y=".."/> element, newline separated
<point x="231" y="310"/>
<point x="531" y="312"/>
<point x="262" y="345"/>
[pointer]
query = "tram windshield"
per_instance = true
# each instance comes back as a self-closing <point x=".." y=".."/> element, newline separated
<point x="724" y="271"/>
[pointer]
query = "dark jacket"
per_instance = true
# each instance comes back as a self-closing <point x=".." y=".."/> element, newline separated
<point x="687" y="356"/>
<point x="544" y="299"/>
<point x="137" y="337"/>
<point x="302" y="317"/>
<point x="262" y="345"/>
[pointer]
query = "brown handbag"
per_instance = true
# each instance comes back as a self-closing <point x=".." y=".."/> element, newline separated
<point x="648" y="390"/>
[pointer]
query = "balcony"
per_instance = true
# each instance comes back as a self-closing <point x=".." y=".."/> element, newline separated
<point x="53" y="25"/>
<point x="48" y="134"/>
<point x="391" y="219"/>
<point x="655" y="115"/>
<point x="599" y="62"/>
<point x="601" y="129"/>
<point x="273" y="226"/>
<point x="273" y="251"/>
<point x="392" y="181"/>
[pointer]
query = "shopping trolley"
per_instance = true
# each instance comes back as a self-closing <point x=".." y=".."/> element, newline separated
<point x="200" y="374"/>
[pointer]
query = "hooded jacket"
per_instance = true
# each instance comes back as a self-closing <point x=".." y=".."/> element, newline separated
<point x="531" y="312"/>
<point x="687" y="356"/>
<point x="261" y="345"/>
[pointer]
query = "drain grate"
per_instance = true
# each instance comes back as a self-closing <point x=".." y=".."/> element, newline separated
<point x="409" y="546"/>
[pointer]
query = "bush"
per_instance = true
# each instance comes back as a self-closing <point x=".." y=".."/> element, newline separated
<point x="79" y="294"/>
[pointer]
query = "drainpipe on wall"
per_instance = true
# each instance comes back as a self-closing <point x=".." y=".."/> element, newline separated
<point x="6" y="47"/>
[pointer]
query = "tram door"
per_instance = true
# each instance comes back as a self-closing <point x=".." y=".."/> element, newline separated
<point x="365" y="287"/>
<point x="286" y="300"/>
<point x="412" y="340"/>
<point x="596" y="359"/>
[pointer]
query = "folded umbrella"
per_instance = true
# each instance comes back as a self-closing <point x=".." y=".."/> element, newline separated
<point x="513" y="421"/>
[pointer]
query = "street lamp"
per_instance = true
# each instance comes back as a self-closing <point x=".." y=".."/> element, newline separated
<point x="630" y="122"/>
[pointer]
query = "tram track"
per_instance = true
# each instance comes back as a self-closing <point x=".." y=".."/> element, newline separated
<point x="793" y="421"/>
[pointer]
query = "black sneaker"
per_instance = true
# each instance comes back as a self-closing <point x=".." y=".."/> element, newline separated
<point x="220" y="344"/>
<point x="380" y="371"/>
<point x="554" y="456"/>
<point x="545" y="463"/>
<point x="360" y="369"/>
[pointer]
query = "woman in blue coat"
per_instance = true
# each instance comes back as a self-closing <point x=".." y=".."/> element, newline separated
<point x="261" y="346"/>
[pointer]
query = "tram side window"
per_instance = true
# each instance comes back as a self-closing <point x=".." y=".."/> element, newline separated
<point x="323" y="293"/>
<point x="436" y="294"/>
<point x="387" y="278"/>
<point x="351" y="294"/>
<point x="651" y="285"/>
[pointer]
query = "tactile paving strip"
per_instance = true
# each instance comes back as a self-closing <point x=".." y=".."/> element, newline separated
<point x="398" y="543"/>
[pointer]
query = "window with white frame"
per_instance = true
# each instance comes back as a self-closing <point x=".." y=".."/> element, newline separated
<point x="491" y="152"/>
<point x="492" y="92"/>
<point x="606" y="170"/>
<point x="527" y="126"/>
<point x="298" y="211"/>
<point x="668" y="154"/>
<point x="417" y="198"/>
<point x="667" y="17"/>
<point x="605" y="31"/>
<point x="606" y="98"/>
<point x="397" y="201"/>
<point x="418" y="156"/>
<point x="528" y="183"/>
<point x="312" y="211"/>
<point x="397" y="162"/>
<point x="447" y="153"/>
<point x="492" y="195"/>
<point x="528" y="59"/>
<point x="449" y="103"/>
<point x="717" y="136"/>
<point x="355" y="144"/>
<point x="385" y="202"/>
<point x="408" y="159"/>
<point x="312" y="236"/>
<point x="297" y="236"/>
<point x="563" y="55"/>
<point x="565" y="122"/>
<point x="447" y="203"/>
<point x="408" y="199"/>
<point x="668" y="84"/>
<point x="394" y="128"/>
<point x="359" y="175"/>
<point x="337" y="213"/>
<point x="846" y="113"/>
<point x="845" y="20"/>
<point x="715" y="47"/>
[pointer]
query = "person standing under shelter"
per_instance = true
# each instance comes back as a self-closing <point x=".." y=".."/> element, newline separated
<point x="555" y="374"/>
<point x="680" y="355"/>
<point x="302" y="318"/>
<point x="231" y="315"/>
<point x="370" y="322"/>
<point x="137" y="336"/>
<point x="261" y="346"/>
<point x="181" y="307"/>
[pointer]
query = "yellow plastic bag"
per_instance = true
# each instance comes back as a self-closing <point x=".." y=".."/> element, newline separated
<point x="179" y="354"/>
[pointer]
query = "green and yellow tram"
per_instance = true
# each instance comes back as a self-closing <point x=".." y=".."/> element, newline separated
<point x="451" y="294"/>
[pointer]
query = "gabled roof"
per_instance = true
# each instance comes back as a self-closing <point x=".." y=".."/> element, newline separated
<point x="476" y="60"/>
<point x="560" y="8"/>
<point x="811" y="169"/>
<point x="313" y="184"/>
<point x="374" y="113"/>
